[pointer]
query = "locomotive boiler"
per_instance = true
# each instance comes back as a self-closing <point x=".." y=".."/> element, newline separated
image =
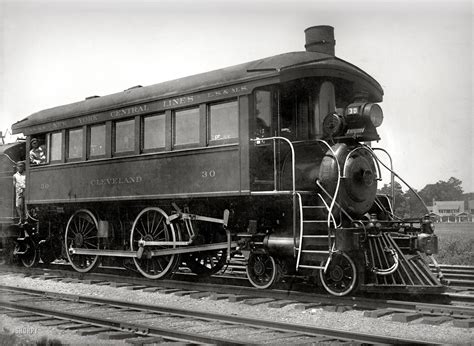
<point x="272" y="159"/>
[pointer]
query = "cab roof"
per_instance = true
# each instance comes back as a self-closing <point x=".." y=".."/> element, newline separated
<point x="283" y="67"/>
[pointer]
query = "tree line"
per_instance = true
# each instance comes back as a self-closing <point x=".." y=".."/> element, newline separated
<point x="407" y="204"/>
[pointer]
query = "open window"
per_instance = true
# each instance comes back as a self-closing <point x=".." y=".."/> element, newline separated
<point x="38" y="149"/>
<point x="303" y="107"/>
<point x="263" y="100"/>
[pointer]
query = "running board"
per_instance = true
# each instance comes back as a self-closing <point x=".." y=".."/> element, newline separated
<point x="138" y="254"/>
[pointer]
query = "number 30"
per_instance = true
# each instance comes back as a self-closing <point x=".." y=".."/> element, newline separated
<point x="208" y="174"/>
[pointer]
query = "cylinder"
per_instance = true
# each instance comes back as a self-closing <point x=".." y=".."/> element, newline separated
<point x="280" y="245"/>
<point x="320" y="39"/>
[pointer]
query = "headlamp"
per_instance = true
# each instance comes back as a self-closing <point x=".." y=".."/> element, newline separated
<point x="374" y="111"/>
<point x="371" y="110"/>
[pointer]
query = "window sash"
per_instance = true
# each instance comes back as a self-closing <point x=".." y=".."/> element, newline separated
<point x="75" y="143"/>
<point x="186" y="127"/>
<point x="223" y="122"/>
<point x="124" y="136"/>
<point x="97" y="140"/>
<point x="55" y="151"/>
<point x="154" y="132"/>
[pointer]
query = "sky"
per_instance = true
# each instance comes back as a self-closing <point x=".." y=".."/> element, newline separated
<point x="58" y="52"/>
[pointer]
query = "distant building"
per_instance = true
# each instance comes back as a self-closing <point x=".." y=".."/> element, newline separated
<point x="451" y="211"/>
<point x="471" y="207"/>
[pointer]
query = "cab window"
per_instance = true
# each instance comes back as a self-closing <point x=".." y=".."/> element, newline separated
<point x="75" y="140"/>
<point x="223" y="122"/>
<point x="154" y="132"/>
<point x="186" y="127"/>
<point x="325" y="104"/>
<point x="38" y="153"/>
<point x="56" y="144"/>
<point x="124" y="136"/>
<point x="263" y="113"/>
<point x="303" y="106"/>
<point x="97" y="140"/>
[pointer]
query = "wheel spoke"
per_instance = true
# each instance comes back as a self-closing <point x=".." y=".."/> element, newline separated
<point x="91" y="244"/>
<point x="91" y="237"/>
<point x="159" y="233"/>
<point x="89" y="228"/>
<point x="159" y="223"/>
<point x="153" y="222"/>
<point x="141" y="234"/>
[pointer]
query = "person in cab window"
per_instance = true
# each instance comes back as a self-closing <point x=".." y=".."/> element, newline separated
<point x="37" y="152"/>
<point x="19" y="181"/>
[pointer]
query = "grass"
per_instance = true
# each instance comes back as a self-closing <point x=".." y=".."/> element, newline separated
<point x="456" y="243"/>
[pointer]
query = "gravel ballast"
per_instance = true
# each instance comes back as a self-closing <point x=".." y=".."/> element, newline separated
<point x="352" y="320"/>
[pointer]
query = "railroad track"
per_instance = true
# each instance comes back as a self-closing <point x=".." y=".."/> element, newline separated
<point x="452" y="304"/>
<point x="460" y="276"/>
<point x="136" y="323"/>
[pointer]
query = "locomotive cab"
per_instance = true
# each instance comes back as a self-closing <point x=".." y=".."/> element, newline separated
<point x="312" y="114"/>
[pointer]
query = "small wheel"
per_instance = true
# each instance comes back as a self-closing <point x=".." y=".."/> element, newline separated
<point x="150" y="225"/>
<point x="30" y="257"/>
<point x="82" y="232"/>
<point x="262" y="270"/>
<point x="206" y="263"/>
<point x="49" y="251"/>
<point x="341" y="275"/>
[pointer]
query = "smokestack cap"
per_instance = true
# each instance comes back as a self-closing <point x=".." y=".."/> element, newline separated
<point x="320" y="39"/>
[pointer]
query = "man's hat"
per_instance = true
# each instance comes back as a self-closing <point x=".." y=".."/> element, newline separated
<point x="21" y="163"/>
<point x="34" y="140"/>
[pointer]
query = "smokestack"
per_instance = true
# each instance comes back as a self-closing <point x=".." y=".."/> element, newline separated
<point x="320" y="39"/>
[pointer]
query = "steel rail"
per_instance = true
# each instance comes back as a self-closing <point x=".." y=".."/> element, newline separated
<point x="278" y="326"/>
<point x="239" y="286"/>
<point x="136" y="328"/>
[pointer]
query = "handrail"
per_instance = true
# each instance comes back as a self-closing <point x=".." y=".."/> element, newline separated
<point x="402" y="180"/>
<point x="392" y="176"/>
<point x="301" y="233"/>
<point x="336" y="191"/>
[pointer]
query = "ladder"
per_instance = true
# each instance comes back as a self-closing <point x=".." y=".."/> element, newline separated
<point x="307" y="222"/>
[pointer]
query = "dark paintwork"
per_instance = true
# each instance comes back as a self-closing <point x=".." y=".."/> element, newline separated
<point x="9" y="153"/>
<point x="189" y="173"/>
<point x="281" y="67"/>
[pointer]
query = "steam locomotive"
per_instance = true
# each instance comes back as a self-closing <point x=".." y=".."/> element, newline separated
<point x="271" y="159"/>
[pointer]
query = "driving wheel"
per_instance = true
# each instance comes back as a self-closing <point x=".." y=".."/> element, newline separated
<point x="206" y="263"/>
<point x="150" y="225"/>
<point x="82" y="232"/>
